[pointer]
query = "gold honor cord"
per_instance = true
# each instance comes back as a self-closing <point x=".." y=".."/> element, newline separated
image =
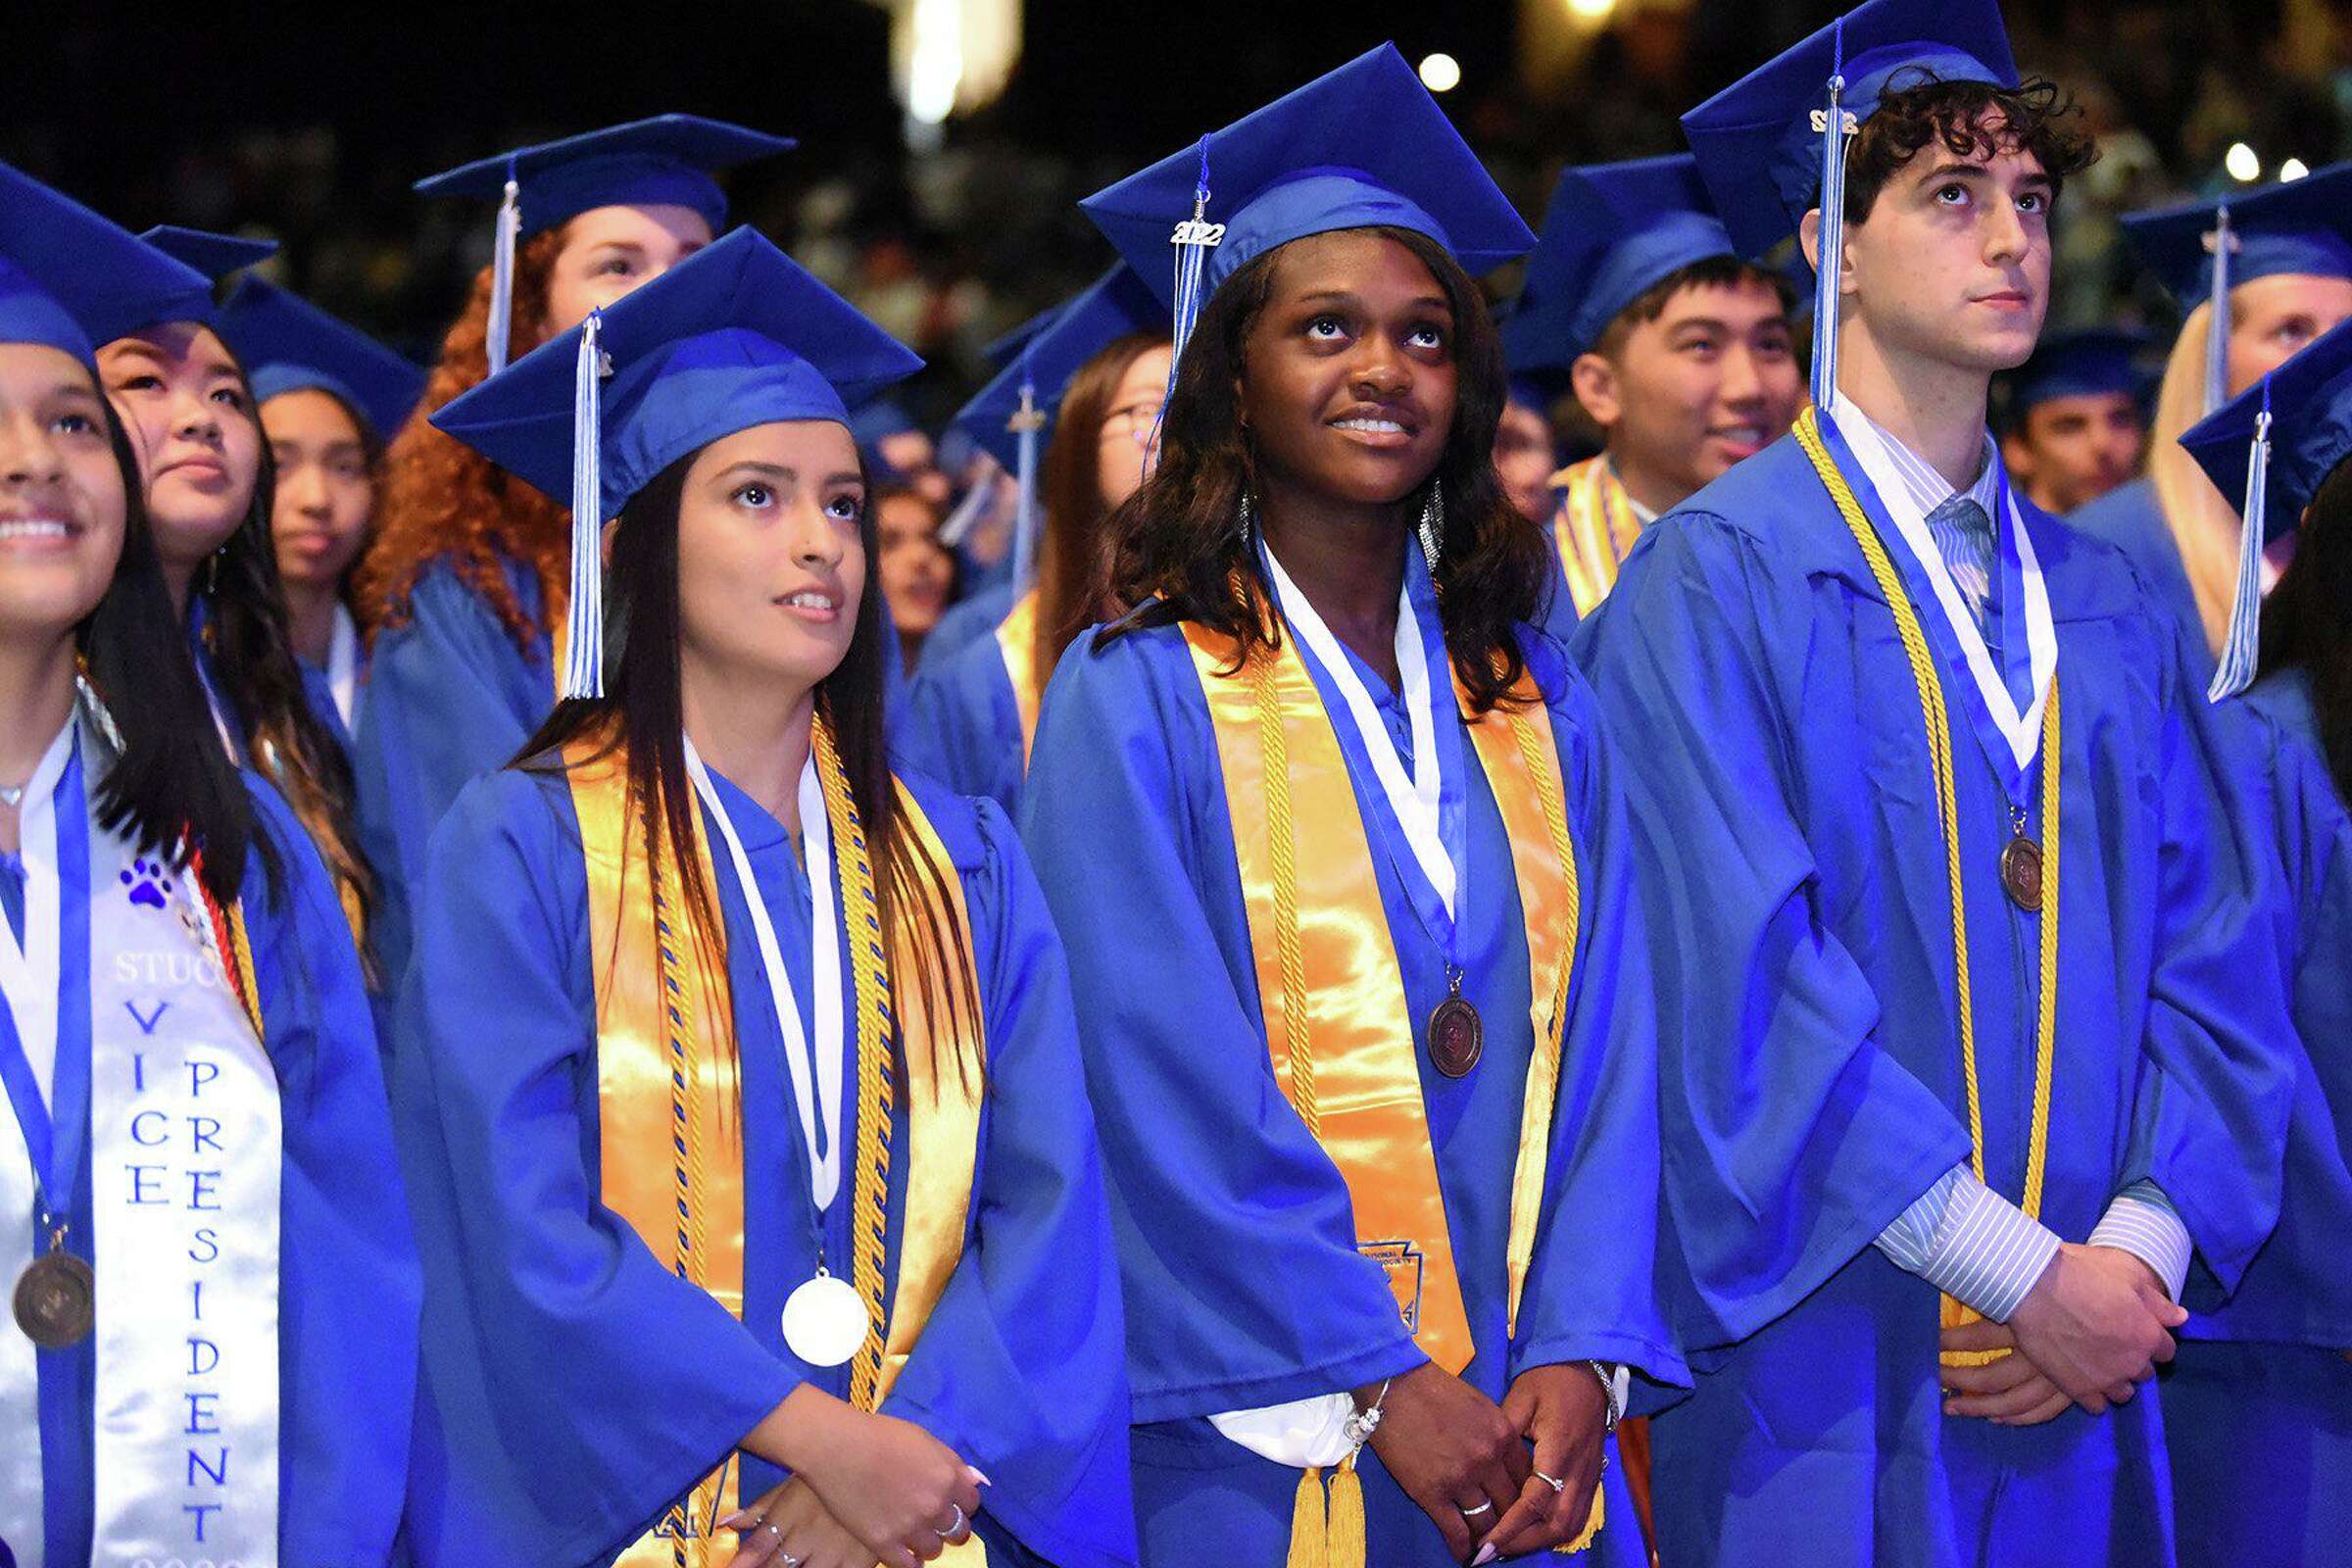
<point x="1939" y="747"/>
<point x="234" y="946"/>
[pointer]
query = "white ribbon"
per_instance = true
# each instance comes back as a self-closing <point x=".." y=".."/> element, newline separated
<point x="1413" y="799"/>
<point x="343" y="667"/>
<point x="2021" y="729"/>
<point x="815" y="1084"/>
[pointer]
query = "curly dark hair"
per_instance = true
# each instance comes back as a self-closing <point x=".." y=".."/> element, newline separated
<point x="1177" y="555"/>
<point x="2304" y="625"/>
<point x="1969" y="120"/>
<point x="443" y="501"/>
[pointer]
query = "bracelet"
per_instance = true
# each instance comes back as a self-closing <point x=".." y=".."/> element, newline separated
<point x="1360" y="1426"/>
<point x="1608" y="1392"/>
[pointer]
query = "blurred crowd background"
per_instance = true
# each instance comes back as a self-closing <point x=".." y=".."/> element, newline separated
<point x="945" y="142"/>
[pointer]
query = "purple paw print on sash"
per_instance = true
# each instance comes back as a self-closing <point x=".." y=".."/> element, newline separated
<point x="148" y="883"/>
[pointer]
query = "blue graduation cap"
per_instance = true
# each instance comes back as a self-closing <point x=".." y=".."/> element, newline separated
<point x="1613" y="231"/>
<point x="1009" y="417"/>
<point x="734" y="336"/>
<point x="876" y="419"/>
<point x="2267" y="451"/>
<point x="2085" y="362"/>
<point x="214" y="256"/>
<point x="70" y="277"/>
<point x="2202" y="249"/>
<point x="287" y="344"/>
<point x="1364" y="146"/>
<point x="998" y="351"/>
<point x="665" y="160"/>
<point x="1772" y="145"/>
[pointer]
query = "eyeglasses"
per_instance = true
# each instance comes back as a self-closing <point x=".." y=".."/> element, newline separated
<point x="1141" y="421"/>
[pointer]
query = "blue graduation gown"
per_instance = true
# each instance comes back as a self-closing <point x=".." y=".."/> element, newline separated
<point x="349" y="1284"/>
<point x="962" y="726"/>
<point x="2267" y="1478"/>
<point x="573" y="1385"/>
<point x="964" y="623"/>
<point x="2130" y="518"/>
<point x="1243" y="1285"/>
<point x="1812" y="1090"/>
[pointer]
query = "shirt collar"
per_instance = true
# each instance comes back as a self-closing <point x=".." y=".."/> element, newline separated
<point x="1925" y="487"/>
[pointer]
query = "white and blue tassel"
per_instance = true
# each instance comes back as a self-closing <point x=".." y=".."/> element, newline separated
<point x="2222" y="241"/>
<point x="1835" y="126"/>
<point x="2241" y="651"/>
<point x="584" y="622"/>
<point x="1194" y="239"/>
<point x="502" y="272"/>
<point x="1026" y="421"/>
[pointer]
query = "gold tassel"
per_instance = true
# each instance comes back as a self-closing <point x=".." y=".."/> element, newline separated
<point x="1345" y="1545"/>
<point x="1308" y="1547"/>
<point x="1592" y="1523"/>
<point x="1958" y="1315"/>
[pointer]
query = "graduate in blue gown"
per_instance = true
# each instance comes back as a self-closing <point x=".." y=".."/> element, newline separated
<point x="230" y="1190"/>
<point x="598" y="1385"/>
<point x="2264" y="1384"/>
<point x="1385" y="1306"/>
<point x="2074" y="419"/>
<point x="328" y="397"/>
<point x="462" y="592"/>
<point x="2288" y="280"/>
<point x="210" y="483"/>
<point x="1869" y="1189"/>
<point x="1091" y="379"/>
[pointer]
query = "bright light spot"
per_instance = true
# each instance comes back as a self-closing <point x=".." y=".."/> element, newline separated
<point x="2293" y="169"/>
<point x="1591" y="10"/>
<point x="2243" y="165"/>
<point x="1440" y="74"/>
<point x="937" y="69"/>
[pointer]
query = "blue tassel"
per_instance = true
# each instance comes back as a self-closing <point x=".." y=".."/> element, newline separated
<point x="1194" y="239"/>
<point x="584" y="652"/>
<point x="502" y="272"/>
<point x="1027" y="420"/>
<point x="2242" y="650"/>
<point x="2221" y="240"/>
<point x="1833" y="124"/>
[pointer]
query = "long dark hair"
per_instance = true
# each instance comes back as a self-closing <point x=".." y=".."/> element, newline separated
<point x="2307" y="622"/>
<point x="643" y="713"/>
<point x="172" y="789"/>
<point x="1070" y="556"/>
<point x="1177" y="554"/>
<point x="252" y="652"/>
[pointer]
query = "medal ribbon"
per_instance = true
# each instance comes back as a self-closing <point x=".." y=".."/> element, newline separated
<point x="1016" y="642"/>
<point x="52" y="1125"/>
<point x="1939" y="747"/>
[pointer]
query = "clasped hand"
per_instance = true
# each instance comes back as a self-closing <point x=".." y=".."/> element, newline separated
<point x="865" y="1488"/>
<point x="1468" y="1462"/>
<point x="2092" y="1328"/>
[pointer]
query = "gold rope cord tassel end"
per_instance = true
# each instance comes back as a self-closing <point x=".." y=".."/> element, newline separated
<point x="1328" y="1532"/>
<point x="1309" y="1539"/>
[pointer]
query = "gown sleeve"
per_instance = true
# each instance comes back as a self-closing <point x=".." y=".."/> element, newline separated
<point x="1791" y="1140"/>
<point x="1235" y="1240"/>
<point x="577" y="1386"/>
<point x="1591" y="1290"/>
<point x="1020" y="1368"/>
<point x="961" y="726"/>
<point x="349" y="1286"/>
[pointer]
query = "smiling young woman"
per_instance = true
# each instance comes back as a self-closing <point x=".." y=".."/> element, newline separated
<point x="200" y="1224"/>
<point x="736" y="1077"/>
<point x="1386" y="1100"/>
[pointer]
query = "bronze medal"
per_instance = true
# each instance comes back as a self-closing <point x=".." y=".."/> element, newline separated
<point x="2021" y="873"/>
<point x="1457" y="1037"/>
<point x="56" y="1300"/>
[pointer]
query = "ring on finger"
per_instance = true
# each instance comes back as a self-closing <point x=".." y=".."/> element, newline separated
<point x="770" y="1526"/>
<point x="1486" y="1507"/>
<point x="1553" y="1482"/>
<point x="956" y="1528"/>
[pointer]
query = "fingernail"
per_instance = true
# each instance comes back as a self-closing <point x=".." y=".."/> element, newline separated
<point x="731" y="1520"/>
<point x="1485" y="1554"/>
<point x="978" y="1480"/>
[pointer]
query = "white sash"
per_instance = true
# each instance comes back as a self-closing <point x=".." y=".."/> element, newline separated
<point x="185" y="1151"/>
<point x="2021" y="730"/>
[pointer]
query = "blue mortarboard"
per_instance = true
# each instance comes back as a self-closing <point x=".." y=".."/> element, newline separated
<point x="2267" y="451"/>
<point x="1612" y="232"/>
<point x="1772" y="145"/>
<point x="70" y="278"/>
<point x="879" y="418"/>
<point x="1364" y="146"/>
<point x="2202" y="249"/>
<point x="666" y="161"/>
<point x="1011" y="415"/>
<point x="289" y="345"/>
<point x="734" y="336"/>
<point x="998" y="351"/>
<point x="2085" y="362"/>
<point x="214" y="256"/>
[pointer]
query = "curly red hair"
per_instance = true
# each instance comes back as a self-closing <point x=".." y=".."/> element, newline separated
<point x="441" y="502"/>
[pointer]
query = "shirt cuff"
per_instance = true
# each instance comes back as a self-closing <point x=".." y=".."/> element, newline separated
<point x="1971" y="1243"/>
<point x="2144" y="1222"/>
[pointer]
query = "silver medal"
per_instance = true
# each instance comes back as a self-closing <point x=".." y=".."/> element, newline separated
<point x="824" y="1321"/>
